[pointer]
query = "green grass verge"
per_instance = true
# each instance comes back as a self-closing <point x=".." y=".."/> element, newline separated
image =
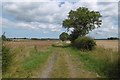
<point x="36" y="59"/>
<point x="6" y="58"/>
<point x="26" y="67"/>
<point x="103" y="61"/>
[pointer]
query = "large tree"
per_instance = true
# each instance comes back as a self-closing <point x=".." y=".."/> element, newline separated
<point x="82" y="21"/>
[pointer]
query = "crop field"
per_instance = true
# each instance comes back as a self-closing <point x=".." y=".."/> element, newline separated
<point x="111" y="44"/>
<point x="45" y="59"/>
<point x="59" y="39"/>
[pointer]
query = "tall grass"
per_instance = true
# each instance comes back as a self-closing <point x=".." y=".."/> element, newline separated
<point x="0" y="57"/>
<point x="26" y="60"/>
<point x="36" y="59"/>
<point x="102" y="61"/>
<point x="6" y="58"/>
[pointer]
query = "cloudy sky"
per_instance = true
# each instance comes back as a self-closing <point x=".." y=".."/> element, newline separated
<point x="44" y="19"/>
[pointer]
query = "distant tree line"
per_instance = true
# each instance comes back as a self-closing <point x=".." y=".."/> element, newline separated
<point x="113" y="38"/>
<point x="11" y="39"/>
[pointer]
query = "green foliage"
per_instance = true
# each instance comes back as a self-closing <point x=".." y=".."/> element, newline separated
<point x="82" y="20"/>
<point x="84" y="43"/>
<point x="99" y="61"/>
<point x="113" y="38"/>
<point x="64" y="36"/>
<point x="0" y="44"/>
<point x="36" y="59"/>
<point x="4" y="37"/>
<point x="0" y="57"/>
<point x="6" y="58"/>
<point x="73" y="36"/>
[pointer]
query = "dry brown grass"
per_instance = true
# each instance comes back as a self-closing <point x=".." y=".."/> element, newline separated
<point x="20" y="50"/>
<point x="38" y="44"/>
<point x="112" y="44"/>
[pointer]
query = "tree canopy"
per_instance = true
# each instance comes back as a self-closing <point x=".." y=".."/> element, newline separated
<point x="64" y="36"/>
<point x="82" y="20"/>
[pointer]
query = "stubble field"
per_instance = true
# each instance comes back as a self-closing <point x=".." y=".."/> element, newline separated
<point x="111" y="44"/>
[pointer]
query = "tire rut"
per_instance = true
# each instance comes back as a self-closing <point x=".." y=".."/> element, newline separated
<point x="76" y="68"/>
<point x="49" y="67"/>
<point x="61" y="64"/>
<point x="71" y="67"/>
<point x="60" y="69"/>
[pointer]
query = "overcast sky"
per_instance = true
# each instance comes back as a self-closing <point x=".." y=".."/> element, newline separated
<point x="44" y="19"/>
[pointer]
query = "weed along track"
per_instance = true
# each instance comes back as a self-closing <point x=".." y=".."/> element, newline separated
<point x="56" y="66"/>
<point x="60" y="69"/>
<point x="71" y="66"/>
<point x="76" y="67"/>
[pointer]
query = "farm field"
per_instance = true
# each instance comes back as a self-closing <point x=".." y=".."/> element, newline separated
<point x="111" y="44"/>
<point x="40" y="59"/>
<point x="59" y="39"/>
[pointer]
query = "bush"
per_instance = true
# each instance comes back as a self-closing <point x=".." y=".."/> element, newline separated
<point x="64" y="36"/>
<point x="6" y="58"/>
<point x="84" y="43"/>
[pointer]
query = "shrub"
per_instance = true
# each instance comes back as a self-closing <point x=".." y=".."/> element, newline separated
<point x="84" y="43"/>
<point x="6" y="58"/>
<point x="64" y="36"/>
<point x="4" y="38"/>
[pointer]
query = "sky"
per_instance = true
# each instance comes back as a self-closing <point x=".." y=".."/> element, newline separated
<point x="43" y="19"/>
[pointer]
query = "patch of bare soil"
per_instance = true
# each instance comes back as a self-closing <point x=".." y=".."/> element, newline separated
<point x="46" y="73"/>
<point x="60" y="69"/>
<point x="48" y="67"/>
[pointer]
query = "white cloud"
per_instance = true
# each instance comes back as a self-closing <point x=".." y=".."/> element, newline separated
<point x="59" y="0"/>
<point x="32" y="25"/>
<point x="109" y="13"/>
<point x="45" y="32"/>
<point x="48" y="16"/>
<point x="27" y="0"/>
